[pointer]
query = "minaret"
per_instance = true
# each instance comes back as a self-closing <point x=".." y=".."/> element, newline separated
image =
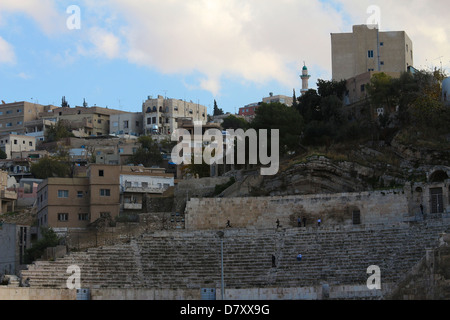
<point x="305" y="77"/>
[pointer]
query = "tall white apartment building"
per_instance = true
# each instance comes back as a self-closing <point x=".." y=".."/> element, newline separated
<point x="161" y="114"/>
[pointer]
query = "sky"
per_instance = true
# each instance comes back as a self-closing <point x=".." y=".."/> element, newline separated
<point x="117" y="53"/>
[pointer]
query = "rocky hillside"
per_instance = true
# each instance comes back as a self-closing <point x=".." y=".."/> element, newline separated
<point x="346" y="168"/>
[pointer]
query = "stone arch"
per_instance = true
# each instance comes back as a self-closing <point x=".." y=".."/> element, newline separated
<point x="438" y="176"/>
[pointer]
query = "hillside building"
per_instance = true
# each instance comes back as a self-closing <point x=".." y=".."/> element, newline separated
<point x="367" y="49"/>
<point x="160" y="115"/>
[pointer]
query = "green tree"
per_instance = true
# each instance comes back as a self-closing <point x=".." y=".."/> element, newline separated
<point x="57" y="132"/>
<point x="331" y="88"/>
<point x="148" y="154"/>
<point x="309" y="106"/>
<point x="287" y="120"/>
<point x="3" y="154"/>
<point x="49" y="239"/>
<point x="48" y="167"/>
<point x="233" y="122"/>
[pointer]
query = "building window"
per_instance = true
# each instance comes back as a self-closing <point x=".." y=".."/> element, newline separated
<point x="382" y="63"/>
<point x="101" y="173"/>
<point x="362" y="88"/>
<point x="125" y="124"/>
<point x="83" y="216"/>
<point x="370" y="53"/>
<point x="115" y="124"/>
<point x="9" y="124"/>
<point x="381" y="44"/>
<point x="63" y="216"/>
<point x="15" y="141"/>
<point x="79" y="194"/>
<point x="63" y="193"/>
<point x="144" y="184"/>
<point x="105" y="192"/>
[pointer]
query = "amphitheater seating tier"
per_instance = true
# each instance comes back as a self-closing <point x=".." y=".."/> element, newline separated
<point x="192" y="259"/>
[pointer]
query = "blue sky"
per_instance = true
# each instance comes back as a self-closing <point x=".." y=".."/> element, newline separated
<point x="234" y="52"/>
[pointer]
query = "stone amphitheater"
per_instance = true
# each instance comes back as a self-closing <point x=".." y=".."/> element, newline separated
<point x="182" y="264"/>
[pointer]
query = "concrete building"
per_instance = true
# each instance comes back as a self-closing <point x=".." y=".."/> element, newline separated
<point x="16" y="117"/>
<point x="278" y="98"/>
<point x="14" y="240"/>
<point x="249" y="111"/>
<point x="74" y="203"/>
<point x="367" y="49"/>
<point x="126" y="124"/>
<point x="356" y="86"/>
<point x="83" y="121"/>
<point x="136" y="181"/>
<point x="12" y="143"/>
<point x="8" y="198"/>
<point x="64" y="203"/>
<point x="161" y="114"/>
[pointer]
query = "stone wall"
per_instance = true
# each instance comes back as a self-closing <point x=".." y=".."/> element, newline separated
<point x="22" y="293"/>
<point x="293" y="293"/>
<point x="262" y="212"/>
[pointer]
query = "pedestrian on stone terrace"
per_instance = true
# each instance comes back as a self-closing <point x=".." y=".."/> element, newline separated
<point x="318" y="222"/>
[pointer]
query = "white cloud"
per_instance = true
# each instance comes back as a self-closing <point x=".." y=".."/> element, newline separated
<point x="24" y="76"/>
<point x="7" y="54"/>
<point x="105" y="43"/>
<point x="44" y="12"/>
<point x="425" y="22"/>
<point x="256" y="40"/>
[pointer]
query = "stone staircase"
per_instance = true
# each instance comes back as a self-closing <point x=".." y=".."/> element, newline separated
<point x="182" y="259"/>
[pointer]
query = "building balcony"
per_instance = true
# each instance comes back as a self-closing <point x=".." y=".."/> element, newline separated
<point x="8" y="195"/>
<point x="143" y="190"/>
<point x="132" y="206"/>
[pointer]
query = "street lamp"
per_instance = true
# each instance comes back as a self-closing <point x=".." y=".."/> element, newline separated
<point x="221" y="234"/>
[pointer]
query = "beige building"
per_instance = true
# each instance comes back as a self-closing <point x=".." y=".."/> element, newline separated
<point x="71" y="203"/>
<point x="64" y="203"/>
<point x="84" y="121"/>
<point x="15" y="117"/>
<point x="8" y="198"/>
<point x="367" y="49"/>
<point x="357" y="86"/>
<point x="126" y="124"/>
<point x="136" y="181"/>
<point x="13" y="143"/>
<point x="161" y="114"/>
